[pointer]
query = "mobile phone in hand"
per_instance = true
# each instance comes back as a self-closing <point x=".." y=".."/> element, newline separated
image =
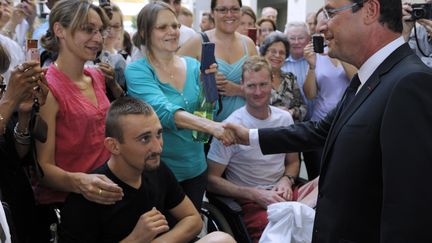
<point x="32" y="52"/>
<point x="252" y="33"/>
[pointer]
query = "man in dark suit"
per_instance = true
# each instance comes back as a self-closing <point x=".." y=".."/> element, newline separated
<point x="374" y="184"/>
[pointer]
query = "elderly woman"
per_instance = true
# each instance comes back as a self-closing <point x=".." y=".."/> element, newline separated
<point x="285" y="93"/>
<point x="15" y="140"/>
<point x="171" y="85"/>
<point x="231" y="51"/>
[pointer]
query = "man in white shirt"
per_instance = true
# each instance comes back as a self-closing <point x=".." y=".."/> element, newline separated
<point x="253" y="179"/>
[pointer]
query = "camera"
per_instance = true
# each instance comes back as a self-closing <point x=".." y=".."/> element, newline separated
<point x="421" y="11"/>
<point x="103" y="3"/>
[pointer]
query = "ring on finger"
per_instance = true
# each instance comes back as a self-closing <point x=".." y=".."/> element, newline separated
<point x="33" y="78"/>
<point x="20" y="67"/>
<point x="100" y="191"/>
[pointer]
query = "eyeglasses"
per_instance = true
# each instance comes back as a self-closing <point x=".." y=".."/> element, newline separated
<point x="296" y="38"/>
<point x="330" y="13"/>
<point x="266" y="30"/>
<point x="224" y="10"/>
<point x="274" y="52"/>
<point x="165" y="27"/>
<point x="91" y="30"/>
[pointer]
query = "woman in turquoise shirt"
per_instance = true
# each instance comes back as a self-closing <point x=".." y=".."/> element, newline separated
<point x="171" y="85"/>
<point x="231" y="51"/>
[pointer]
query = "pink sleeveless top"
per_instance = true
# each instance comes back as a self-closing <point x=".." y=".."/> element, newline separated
<point x="80" y="128"/>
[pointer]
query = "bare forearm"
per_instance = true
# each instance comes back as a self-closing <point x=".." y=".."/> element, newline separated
<point x="292" y="167"/>
<point x="59" y="179"/>
<point x="224" y="187"/>
<point x="23" y="124"/>
<point x="184" y="231"/>
<point x="310" y="85"/>
<point x="6" y="109"/>
<point x="184" y="119"/>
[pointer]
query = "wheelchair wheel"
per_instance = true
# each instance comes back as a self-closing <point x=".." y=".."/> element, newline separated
<point x="213" y="220"/>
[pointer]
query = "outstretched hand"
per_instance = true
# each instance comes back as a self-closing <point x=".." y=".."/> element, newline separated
<point x="241" y="134"/>
<point x="227" y="137"/>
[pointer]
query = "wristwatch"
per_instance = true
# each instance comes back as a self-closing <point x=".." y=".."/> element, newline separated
<point x="291" y="178"/>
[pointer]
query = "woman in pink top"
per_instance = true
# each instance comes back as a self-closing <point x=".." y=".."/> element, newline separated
<point x="75" y="111"/>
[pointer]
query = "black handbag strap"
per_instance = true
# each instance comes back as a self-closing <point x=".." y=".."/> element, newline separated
<point x="204" y="37"/>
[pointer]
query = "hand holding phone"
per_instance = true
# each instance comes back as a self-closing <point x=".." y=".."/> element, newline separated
<point x="32" y="52"/>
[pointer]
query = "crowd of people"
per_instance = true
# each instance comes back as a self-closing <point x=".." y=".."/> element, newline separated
<point x="96" y="130"/>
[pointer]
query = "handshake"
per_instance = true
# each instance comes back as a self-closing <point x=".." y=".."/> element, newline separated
<point x="230" y="134"/>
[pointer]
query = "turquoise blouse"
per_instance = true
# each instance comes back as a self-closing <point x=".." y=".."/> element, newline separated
<point x="182" y="155"/>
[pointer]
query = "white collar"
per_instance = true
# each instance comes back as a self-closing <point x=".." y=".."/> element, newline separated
<point x="371" y="64"/>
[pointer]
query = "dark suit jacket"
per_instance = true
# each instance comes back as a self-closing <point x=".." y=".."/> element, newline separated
<point x="374" y="184"/>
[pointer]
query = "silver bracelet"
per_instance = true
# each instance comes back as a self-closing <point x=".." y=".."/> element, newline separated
<point x="22" y="137"/>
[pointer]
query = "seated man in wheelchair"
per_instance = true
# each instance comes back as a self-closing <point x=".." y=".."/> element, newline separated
<point x="134" y="138"/>
<point x="253" y="179"/>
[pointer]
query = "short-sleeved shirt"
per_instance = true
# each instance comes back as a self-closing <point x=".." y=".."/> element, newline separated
<point x="247" y="166"/>
<point x="86" y="221"/>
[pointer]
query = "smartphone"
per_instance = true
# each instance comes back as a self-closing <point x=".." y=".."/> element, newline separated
<point x="318" y="43"/>
<point x="209" y="80"/>
<point x="252" y="33"/>
<point x="32" y="52"/>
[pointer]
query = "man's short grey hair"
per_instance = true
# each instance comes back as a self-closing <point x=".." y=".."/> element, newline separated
<point x="300" y="24"/>
<point x="268" y="8"/>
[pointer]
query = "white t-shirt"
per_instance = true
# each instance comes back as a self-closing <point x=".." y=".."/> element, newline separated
<point x="247" y="166"/>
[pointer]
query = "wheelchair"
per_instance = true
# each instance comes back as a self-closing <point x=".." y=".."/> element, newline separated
<point x="222" y="213"/>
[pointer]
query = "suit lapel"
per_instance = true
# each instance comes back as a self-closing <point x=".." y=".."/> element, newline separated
<point x="361" y="96"/>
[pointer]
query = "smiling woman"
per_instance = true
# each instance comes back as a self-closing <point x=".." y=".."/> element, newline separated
<point x="75" y="112"/>
<point x="171" y="85"/>
<point x="231" y="51"/>
<point x="286" y="92"/>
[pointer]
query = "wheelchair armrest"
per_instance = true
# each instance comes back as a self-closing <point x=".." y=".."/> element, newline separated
<point x="300" y="181"/>
<point x="226" y="203"/>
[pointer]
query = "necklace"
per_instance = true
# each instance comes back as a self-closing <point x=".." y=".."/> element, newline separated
<point x="164" y="69"/>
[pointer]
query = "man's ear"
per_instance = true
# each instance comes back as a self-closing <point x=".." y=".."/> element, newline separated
<point x="112" y="145"/>
<point x="372" y="9"/>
